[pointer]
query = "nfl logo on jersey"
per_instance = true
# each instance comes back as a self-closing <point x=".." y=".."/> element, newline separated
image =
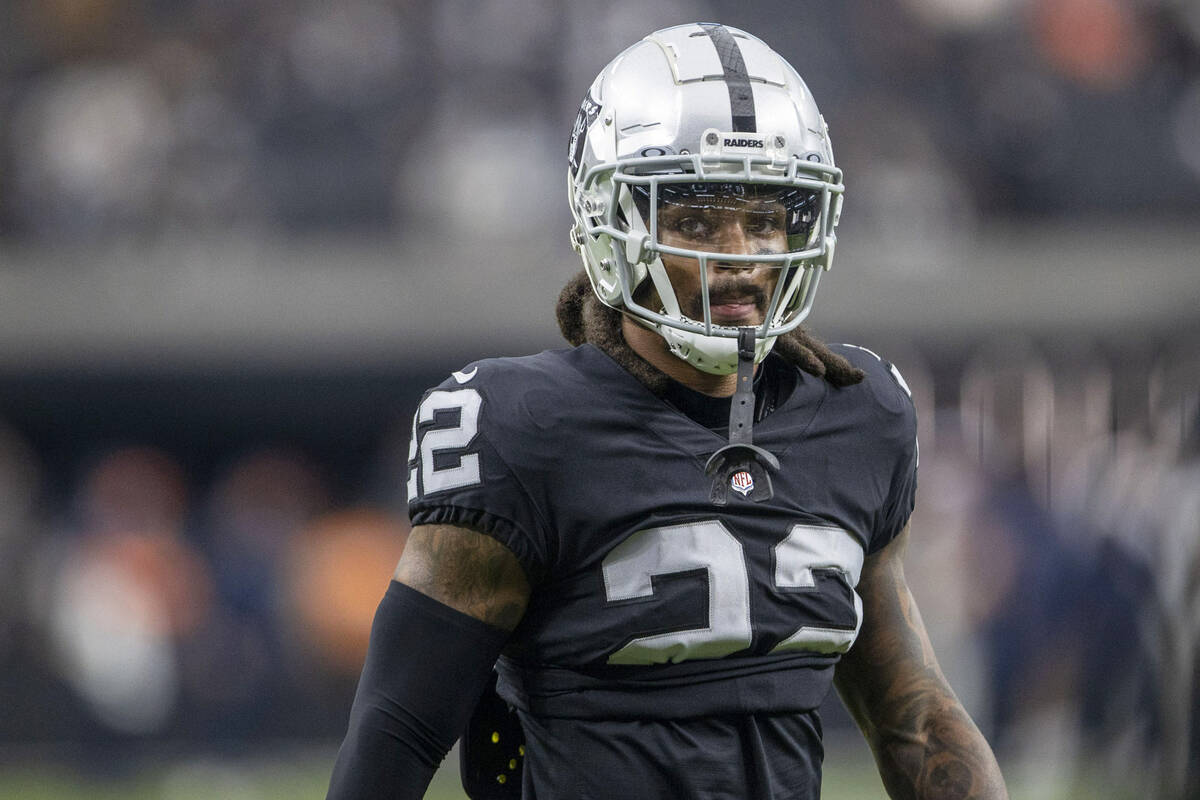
<point x="742" y="482"/>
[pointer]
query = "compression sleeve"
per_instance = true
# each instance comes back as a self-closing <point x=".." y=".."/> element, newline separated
<point x="426" y="666"/>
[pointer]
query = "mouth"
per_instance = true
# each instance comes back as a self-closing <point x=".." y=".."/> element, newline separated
<point x="734" y="310"/>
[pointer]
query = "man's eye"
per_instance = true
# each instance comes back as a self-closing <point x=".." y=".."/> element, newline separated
<point x="692" y="227"/>
<point x="764" y="224"/>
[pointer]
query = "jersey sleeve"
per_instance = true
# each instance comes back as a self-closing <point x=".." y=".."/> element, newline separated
<point x="902" y="497"/>
<point x="884" y="412"/>
<point x="901" y="501"/>
<point x="459" y="472"/>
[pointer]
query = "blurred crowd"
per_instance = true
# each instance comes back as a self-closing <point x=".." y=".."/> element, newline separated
<point x="1060" y="489"/>
<point x="138" y="118"/>
<point x="145" y="607"/>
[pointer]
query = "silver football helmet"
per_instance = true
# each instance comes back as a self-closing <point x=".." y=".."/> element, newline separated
<point x="684" y="109"/>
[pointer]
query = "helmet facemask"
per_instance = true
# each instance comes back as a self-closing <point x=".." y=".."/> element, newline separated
<point x="680" y="209"/>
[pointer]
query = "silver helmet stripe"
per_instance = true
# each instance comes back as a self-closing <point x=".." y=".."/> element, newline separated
<point x="741" y="96"/>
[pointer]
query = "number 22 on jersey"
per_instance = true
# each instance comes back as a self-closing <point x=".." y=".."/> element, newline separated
<point x="709" y="546"/>
<point x="446" y="439"/>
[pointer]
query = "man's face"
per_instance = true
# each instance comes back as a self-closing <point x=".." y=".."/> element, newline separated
<point x="722" y="218"/>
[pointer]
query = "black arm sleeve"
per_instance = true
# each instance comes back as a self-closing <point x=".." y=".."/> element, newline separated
<point x="425" y="669"/>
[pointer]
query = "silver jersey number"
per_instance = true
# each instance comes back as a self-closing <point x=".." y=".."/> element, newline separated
<point x="709" y="546"/>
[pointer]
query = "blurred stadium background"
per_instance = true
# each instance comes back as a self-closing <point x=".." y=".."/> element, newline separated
<point x="237" y="240"/>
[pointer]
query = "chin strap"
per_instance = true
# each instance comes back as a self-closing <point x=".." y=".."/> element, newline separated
<point x="740" y="465"/>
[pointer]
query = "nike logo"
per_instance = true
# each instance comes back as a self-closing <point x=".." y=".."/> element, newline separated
<point x="463" y="377"/>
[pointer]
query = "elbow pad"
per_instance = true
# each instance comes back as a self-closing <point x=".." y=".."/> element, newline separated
<point x="426" y="666"/>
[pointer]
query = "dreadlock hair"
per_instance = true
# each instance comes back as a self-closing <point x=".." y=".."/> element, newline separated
<point x="583" y="318"/>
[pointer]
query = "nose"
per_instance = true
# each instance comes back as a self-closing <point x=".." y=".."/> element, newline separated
<point x="735" y="241"/>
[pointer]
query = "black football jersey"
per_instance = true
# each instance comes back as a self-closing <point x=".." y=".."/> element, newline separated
<point x="650" y="602"/>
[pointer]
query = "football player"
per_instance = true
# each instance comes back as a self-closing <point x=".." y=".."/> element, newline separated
<point x="663" y="545"/>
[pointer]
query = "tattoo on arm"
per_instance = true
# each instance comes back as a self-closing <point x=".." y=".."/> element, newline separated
<point x="468" y="571"/>
<point x="924" y="742"/>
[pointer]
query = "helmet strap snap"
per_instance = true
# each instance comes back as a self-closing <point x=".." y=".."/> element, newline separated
<point x="741" y="465"/>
